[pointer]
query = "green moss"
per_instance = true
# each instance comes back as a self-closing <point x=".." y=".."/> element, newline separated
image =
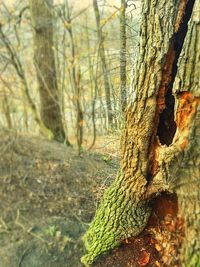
<point x="194" y="261"/>
<point x="120" y="215"/>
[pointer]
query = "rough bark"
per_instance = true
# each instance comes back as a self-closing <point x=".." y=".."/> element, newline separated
<point x="187" y="183"/>
<point x="159" y="144"/>
<point x="42" y="22"/>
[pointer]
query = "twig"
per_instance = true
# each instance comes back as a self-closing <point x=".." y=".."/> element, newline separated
<point x="3" y="223"/>
<point x="78" y="219"/>
<point x="28" y="231"/>
<point x="26" y="251"/>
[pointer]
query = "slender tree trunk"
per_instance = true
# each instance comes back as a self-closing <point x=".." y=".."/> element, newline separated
<point x="42" y="21"/>
<point x="25" y="118"/>
<point x="76" y="80"/>
<point x="160" y="146"/>
<point x="93" y="85"/>
<point x="104" y="64"/>
<point x="123" y="55"/>
<point x="6" y="109"/>
<point x="79" y="126"/>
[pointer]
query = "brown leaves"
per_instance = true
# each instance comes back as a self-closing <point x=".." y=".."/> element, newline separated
<point x="157" y="263"/>
<point x="167" y="239"/>
<point x="144" y="259"/>
<point x="158" y="247"/>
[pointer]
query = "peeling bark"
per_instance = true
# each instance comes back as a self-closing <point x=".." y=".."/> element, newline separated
<point x="154" y="161"/>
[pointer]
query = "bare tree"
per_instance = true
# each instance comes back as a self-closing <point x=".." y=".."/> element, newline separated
<point x="15" y="61"/>
<point x="123" y="54"/>
<point x="42" y="22"/>
<point x="6" y="109"/>
<point x="75" y="74"/>
<point x="104" y="64"/>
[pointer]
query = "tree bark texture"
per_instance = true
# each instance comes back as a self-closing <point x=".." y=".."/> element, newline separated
<point x="160" y="146"/>
<point x="42" y="22"/>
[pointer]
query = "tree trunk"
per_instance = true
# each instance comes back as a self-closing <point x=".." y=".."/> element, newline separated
<point x="160" y="147"/>
<point x="187" y="183"/>
<point x="104" y="64"/>
<point x="42" y="21"/>
<point x="93" y="84"/>
<point x="6" y="110"/>
<point x="79" y="121"/>
<point x="15" y="61"/>
<point x="123" y="54"/>
<point x="76" y="78"/>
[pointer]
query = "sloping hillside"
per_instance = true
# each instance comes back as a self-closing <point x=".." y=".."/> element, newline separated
<point x="48" y="195"/>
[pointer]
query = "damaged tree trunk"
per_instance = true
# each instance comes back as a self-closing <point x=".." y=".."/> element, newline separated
<point x="160" y="146"/>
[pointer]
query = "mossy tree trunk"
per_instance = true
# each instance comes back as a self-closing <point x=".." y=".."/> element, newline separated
<point x="160" y="146"/>
<point x="42" y="22"/>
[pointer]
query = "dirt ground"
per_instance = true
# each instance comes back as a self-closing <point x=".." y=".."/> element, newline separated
<point x="48" y="196"/>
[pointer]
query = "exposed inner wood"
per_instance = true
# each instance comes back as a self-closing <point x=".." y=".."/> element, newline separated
<point x="186" y="108"/>
<point x="165" y="124"/>
<point x="125" y="207"/>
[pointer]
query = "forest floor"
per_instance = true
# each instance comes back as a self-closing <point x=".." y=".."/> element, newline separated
<point x="48" y="197"/>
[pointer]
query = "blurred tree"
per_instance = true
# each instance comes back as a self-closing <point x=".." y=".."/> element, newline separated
<point x="42" y="22"/>
<point x="75" y="73"/>
<point x="104" y="64"/>
<point x="123" y="54"/>
<point x="14" y="60"/>
<point x="6" y="110"/>
<point x="93" y="83"/>
<point x="160" y="145"/>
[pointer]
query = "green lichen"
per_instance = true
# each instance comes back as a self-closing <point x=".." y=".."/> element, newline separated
<point x="120" y="215"/>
